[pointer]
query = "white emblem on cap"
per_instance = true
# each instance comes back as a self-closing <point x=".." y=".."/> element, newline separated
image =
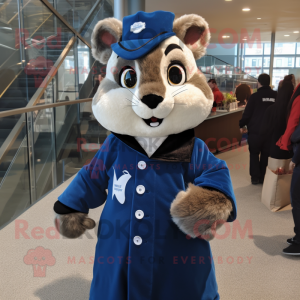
<point x="137" y="27"/>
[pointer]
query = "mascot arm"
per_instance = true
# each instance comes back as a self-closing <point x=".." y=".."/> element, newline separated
<point x="209" y="201"/>
<point x="86" y="191"/>
<point x="70" y="222"/>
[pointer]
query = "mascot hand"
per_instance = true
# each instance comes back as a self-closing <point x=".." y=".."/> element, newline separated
<point x="73" y="225"/>
<point x="199" y="212"/>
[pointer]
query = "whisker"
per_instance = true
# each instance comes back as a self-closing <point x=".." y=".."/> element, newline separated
<point x="183" y="86"/>
<point x="129" y="105"/>
<point x="180" y="92"/>
<point x="133" y="95"/>
<point x="131" y="101"/>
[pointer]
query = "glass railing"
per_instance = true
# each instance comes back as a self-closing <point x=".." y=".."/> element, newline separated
<point x="41" y="149"/>
<point x="104" y="10"/>
<point x="55" y="144"/>
<point x="77" y="12"/>
<point x="227" y="76"/>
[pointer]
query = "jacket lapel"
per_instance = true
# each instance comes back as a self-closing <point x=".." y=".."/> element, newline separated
<point x="176" y="147"/>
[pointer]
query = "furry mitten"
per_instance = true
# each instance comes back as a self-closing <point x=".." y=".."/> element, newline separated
<point x="199" y="212"/>
<point x="73" y="225"/>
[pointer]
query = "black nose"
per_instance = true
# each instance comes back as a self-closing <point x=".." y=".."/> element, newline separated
<point x="152" y="100"/>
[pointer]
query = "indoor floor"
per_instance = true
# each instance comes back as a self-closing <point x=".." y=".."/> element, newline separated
<point x="249" y="263"/>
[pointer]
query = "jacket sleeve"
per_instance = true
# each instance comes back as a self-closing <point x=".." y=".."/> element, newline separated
<point x="88" y="189"/>
<point x="211" y="172"/>
<point x="248" y="112"/>
<point x="285" y="140"/>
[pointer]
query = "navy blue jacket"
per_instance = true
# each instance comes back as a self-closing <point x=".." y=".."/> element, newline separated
<point x="256" y="107"/>
<point x="141" y="253"/>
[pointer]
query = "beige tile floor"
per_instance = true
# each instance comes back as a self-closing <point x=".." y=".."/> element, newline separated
<point x="250" y="266"/>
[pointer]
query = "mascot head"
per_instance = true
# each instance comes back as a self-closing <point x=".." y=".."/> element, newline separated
<point x="152" y="87"/>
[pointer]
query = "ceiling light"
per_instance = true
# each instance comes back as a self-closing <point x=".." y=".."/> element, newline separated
<point x="296" y="31"/>
<point x="286" y="35"/>
<point x="228" y="0"/>
<point x="258" y="18"/>
<point x="244" y="39"/>
<point x="246" y="9"/>
<point x="225" y="36"/>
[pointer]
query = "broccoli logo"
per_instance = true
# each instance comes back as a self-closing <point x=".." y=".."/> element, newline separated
<point x="39" y="258"/>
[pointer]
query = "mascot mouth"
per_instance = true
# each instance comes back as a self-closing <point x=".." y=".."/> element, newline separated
<point x="153" y="122"/>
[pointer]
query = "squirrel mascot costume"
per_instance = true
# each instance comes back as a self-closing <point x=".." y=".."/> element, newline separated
<point x="165" y="194"/>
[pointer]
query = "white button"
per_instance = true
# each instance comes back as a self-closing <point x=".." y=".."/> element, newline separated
<point x="140" y="189"/>
<point x="137" y="240"/>
<point x="139" y="214"/>
<point x="142" y="165"/>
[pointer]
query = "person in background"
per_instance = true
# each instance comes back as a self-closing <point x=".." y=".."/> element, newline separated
<point x="243" y="94"/>
<point x="275" y="121"/>
<point x="285" y="144"/>
<point x="218" y="96"/>
<point x="290" y="78"/>
<point x="252" y="118"/>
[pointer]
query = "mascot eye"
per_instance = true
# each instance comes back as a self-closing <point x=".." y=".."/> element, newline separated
<point x="176" y="75"/>
<point x="128" y="78"/>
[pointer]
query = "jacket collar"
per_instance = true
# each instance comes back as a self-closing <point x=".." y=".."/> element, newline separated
<point x="176" y="148"/>
<point x="264" y="87"/>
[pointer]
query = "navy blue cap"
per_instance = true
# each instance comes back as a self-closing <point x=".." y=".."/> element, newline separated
<point x="142" y="32"/>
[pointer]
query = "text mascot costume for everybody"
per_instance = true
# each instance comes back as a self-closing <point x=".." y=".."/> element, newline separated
<point x="165" y="194"/>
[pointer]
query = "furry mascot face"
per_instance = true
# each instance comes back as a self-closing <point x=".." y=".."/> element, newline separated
<point x="159" y="93"/>
<point x="152" y="91"/>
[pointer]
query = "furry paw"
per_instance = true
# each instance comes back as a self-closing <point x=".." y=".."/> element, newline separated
<point x="73" y="225"/>
<point x="199" y="212"/>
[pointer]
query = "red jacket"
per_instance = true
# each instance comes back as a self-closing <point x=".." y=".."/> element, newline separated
<point x="218" y="96"/>
<point x="285" y="140"/>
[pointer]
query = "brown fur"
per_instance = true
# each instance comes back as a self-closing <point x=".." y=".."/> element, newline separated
<point x="74" y="225"/>
<point x="100" y="50"/>
<point x="199" y="81"/>
<point x="208" y="207"/>
<point x="151" y="81"/>
<point x="184" y="23"/>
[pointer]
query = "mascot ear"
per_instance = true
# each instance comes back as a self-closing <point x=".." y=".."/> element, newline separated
<point x="105" y="33"/>
<point x="193" y="31"/>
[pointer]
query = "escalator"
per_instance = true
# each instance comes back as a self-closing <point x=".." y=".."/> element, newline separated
<point x="41" y="149"/>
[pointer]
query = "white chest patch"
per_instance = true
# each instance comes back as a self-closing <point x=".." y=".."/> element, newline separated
<point x="137" y="27"/>
<point x="119" y="186"/>
<point x="150" y="144"/>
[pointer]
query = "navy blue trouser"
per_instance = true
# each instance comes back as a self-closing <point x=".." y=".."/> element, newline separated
<point x="295" y="199"/>
<point x="259" y="155"/>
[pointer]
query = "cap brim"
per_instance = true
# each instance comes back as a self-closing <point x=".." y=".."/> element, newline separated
<point x="135" y="49"/>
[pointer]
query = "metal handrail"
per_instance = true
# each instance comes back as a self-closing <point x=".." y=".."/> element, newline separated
<point x="244" y="73"/>
<point x="89" y="15"/>
<point x="61" y="18"/>
<point x="27" y="109"/>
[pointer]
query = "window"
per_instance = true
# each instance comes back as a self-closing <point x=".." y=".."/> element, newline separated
<point x="290" y="62"/>
<point x="267" y="48"/>
<point x="259" y="63"/>
<point x="278" y="62"/>
<point x="253" y="62"/>
<point x="266" y="62"/>
<point x="285" y="48"/>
